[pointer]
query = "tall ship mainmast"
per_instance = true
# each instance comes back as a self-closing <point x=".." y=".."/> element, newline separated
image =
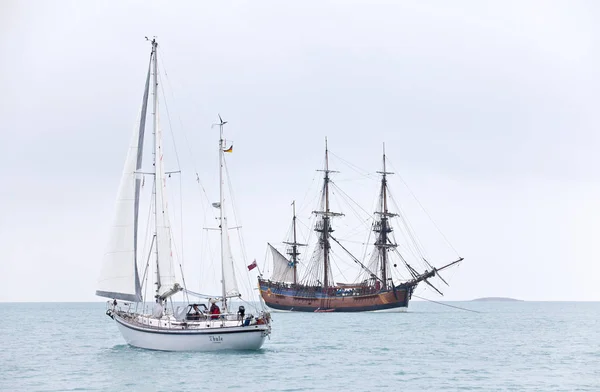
<point x="317" y="290"/>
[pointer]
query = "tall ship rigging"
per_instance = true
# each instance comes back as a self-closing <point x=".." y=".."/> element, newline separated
<point x="314" y="289"/>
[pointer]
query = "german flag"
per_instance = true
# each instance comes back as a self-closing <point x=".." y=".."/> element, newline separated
<point x="230" y="149"/>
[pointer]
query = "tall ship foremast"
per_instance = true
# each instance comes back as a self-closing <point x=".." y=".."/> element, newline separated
<point x="317" y="291"/>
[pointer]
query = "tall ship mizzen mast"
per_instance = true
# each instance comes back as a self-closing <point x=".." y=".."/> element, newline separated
<point x="293" y="251"/>
<point x="317" y="291"/>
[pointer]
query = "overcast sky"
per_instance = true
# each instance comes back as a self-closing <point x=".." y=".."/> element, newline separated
<point x="489" y="111"/>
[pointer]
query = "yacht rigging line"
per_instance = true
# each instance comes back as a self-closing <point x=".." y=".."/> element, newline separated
<point x="187" y="142"/>
<point x="238" y="228"/>
<point x="181" y="260"/>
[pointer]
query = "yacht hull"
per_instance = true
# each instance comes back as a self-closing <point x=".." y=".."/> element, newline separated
<point x="249" y="337"/>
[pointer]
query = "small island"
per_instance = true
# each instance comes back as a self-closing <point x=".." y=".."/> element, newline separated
<point x="497" y="299"/>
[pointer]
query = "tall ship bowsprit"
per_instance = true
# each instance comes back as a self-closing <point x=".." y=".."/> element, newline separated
<point x="310" y="286"/>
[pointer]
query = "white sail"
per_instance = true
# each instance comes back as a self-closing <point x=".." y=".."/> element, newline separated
<point x="166" y="269"/>
<point x="229" y="280"/>
<point x="283" y="269"/>
<point x="119" y="277"/>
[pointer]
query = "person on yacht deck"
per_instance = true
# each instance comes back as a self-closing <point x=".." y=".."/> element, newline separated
<point x="214" y="310"/>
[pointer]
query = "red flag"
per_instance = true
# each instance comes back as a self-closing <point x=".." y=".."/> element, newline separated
<point x="252" y="266"/>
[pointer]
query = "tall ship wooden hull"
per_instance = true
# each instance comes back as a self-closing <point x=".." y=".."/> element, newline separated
<point x="336" y="299"/>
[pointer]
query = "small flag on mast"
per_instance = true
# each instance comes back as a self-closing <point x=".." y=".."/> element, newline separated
<point x="230" y="149"/>
<point x="252" y="266"/>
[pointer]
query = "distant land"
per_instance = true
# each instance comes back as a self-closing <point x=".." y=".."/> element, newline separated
<point x="497" y="299"/>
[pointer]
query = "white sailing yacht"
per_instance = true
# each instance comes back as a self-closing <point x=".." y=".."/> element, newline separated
<point x="190" y="326"/>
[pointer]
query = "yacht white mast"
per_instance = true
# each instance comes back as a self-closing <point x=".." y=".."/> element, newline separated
<point x="154" y="132"/>
<point x="221" y="217"/>
<point x="166" y="281"/>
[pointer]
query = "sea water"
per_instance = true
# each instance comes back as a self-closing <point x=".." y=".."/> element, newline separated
<point x="520" y="346"/>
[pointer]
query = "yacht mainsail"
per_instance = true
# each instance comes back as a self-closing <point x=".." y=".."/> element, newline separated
<point x="119" y="276"/>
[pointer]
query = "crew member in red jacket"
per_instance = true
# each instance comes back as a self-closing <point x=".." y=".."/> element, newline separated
<point x="214" y="311"/>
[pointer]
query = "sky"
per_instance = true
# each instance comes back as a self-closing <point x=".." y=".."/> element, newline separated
<point x="488" y="111"/>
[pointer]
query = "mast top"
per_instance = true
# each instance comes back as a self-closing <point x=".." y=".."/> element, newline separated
<point x="384" y="172"/>
<point x="326" y="157"/>
<point x="326" y="170"/>
<point x="153" y="42"/>
<point x="221" y="122"/>
<point x="327" y="213"/>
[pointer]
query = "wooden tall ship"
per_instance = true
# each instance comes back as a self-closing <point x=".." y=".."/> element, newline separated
<point x="316" y="291"/>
